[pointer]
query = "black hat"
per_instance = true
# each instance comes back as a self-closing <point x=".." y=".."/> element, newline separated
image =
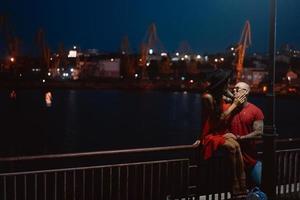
<point x="217" y="78"/>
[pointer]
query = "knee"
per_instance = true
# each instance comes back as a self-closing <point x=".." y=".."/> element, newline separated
<point x="231" y="148"/>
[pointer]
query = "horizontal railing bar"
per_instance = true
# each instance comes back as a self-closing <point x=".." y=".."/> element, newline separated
<point x="287" y="150"/>
<point x="288" y="140"/>
<point x="99" y="153"/>
<point x="86" y="168"/>
<point x="111" y="152"/>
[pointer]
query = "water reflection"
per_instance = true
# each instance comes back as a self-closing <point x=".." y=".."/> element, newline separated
<point x="89" y="120"/>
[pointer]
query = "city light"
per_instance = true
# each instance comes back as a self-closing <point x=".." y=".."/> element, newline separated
<point x="150" y="51"/>
<point x="72" y="54"/>
<point x="36" y="69"/>
<point x="265" y="89"/>
<point x="12" y="59"/>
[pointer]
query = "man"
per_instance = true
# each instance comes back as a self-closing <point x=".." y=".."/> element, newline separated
<point x="246" y="125"/>
<point x="215" y="127"/>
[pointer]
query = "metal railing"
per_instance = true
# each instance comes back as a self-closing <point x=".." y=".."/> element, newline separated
<point x="144" y="180"/>
<point x="288" y="174"/>
<point x="153" y="173"/>
<point x="176" y="172"/>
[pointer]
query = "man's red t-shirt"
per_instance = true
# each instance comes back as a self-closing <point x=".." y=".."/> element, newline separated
<point x="242" y="124"/>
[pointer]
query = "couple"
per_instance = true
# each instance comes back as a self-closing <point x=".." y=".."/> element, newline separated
<point x="230" y="122"/>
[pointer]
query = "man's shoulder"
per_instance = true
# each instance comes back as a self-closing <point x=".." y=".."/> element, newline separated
<point x="255" y="109"/>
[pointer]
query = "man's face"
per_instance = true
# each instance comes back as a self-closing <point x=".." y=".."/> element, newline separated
<point x="239" y="89"/>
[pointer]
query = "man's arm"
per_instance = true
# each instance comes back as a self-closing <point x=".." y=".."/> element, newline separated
<point x="258" y="128"/>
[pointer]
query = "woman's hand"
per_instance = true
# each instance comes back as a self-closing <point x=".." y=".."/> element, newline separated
<point x="240" y="97"/>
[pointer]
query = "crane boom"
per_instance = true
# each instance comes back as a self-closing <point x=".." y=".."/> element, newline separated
<point x="245" y="42"/>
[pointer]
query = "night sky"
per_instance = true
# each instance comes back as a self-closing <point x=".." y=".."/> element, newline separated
<point x="208" y="26"/>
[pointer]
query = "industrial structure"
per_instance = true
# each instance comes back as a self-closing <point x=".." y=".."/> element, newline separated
<point x="244" y="43"/>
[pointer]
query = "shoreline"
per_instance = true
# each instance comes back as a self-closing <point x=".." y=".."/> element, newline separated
<point x="126" y="85"/>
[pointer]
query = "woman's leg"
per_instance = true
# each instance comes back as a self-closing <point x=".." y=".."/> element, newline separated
<point x="231" y="148"/>
<point x="239" y="177"/>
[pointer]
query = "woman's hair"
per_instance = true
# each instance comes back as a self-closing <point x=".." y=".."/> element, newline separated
<point x="218" y="82"/>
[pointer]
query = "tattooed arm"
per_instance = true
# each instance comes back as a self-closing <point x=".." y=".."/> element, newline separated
<point x="258" y="127"/>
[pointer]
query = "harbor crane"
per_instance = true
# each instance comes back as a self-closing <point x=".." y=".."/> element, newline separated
<point x="45" y="50"/>
<point x="151" y="47"/>
<point x="11" y="42"/>
<point x="245" y="42"/>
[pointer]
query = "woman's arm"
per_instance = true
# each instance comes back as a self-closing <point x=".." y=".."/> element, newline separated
<point x="236" y="102"/>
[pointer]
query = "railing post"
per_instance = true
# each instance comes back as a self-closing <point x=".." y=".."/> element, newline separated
<point x="269" y="166"/>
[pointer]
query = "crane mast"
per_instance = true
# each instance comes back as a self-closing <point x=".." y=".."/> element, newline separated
<point x="245" y="42"/>
<point x="150" y="45"/>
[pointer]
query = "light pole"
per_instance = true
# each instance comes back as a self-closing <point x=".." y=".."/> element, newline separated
<point x="272" y="54"/>
<point x="269" y="147"/>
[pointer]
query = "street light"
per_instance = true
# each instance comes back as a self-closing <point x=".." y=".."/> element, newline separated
<point x="272" y="54"/>
<point x="269" y="147"/>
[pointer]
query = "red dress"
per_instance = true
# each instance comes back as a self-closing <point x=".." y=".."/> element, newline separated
<point x="212" y="131"/>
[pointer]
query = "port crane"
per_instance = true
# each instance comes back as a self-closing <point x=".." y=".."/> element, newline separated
<point x="125" y="46"/>
<point x="11" y="42"/>
<point x="45" y="50"/>
<point x="127" y="63"/>
<point x="151" y="46"/>
<point x="245" y="42"/>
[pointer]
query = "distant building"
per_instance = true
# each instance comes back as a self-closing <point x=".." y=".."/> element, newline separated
<point x="100" y="67"/>
<point x="109" y="68"/>
<point x="254" y="76"/>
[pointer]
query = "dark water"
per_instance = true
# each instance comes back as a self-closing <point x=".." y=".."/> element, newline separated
<point x="89" y="120"/>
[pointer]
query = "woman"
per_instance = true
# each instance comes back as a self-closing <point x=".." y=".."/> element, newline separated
<point x="215" y="135"/>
